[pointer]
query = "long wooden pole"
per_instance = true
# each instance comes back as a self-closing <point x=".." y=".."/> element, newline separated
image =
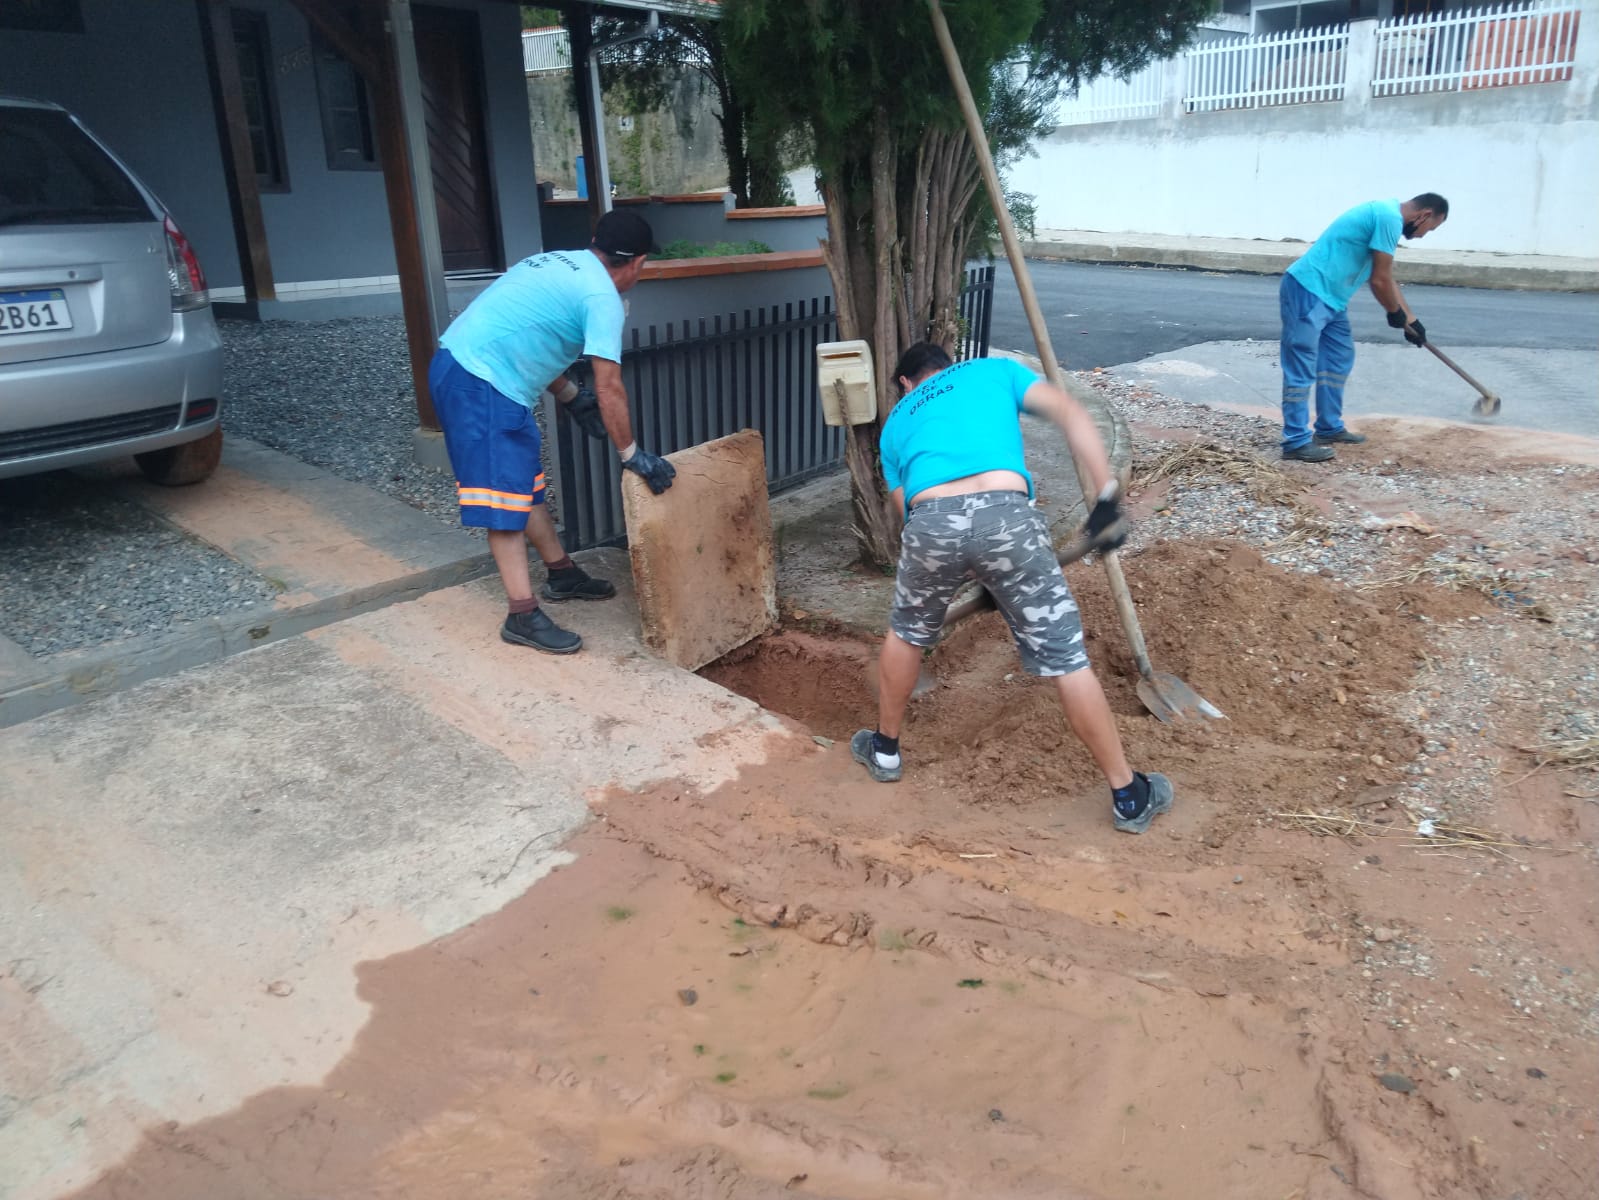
<point x="1035" y="316"/>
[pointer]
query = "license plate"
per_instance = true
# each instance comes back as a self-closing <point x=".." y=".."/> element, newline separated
<point x="34" y="312"/>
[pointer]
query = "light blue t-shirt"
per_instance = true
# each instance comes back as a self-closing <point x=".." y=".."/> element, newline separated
<point x="531" y="323"/>
<point x="961" y="421"/>
<point x="1334" y="268"/>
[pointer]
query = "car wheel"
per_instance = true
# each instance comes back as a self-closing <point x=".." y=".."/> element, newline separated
<point x="178" y="466"/>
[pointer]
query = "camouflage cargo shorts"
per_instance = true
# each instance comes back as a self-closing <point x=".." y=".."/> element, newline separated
<point x="1001" y="540"/>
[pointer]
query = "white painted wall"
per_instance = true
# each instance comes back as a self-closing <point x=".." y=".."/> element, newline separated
<point x="1519" y="165"/>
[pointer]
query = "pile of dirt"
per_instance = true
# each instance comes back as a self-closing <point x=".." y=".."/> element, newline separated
<point x="1299" y="663"/>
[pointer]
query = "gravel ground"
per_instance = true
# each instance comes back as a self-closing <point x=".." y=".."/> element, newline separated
<point x="1524" y="676"/>
<point x="80" y="566"/>
<point x="336" y="394"/>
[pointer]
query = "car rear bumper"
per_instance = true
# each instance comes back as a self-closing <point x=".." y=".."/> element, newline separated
<point x="64" y="412"/>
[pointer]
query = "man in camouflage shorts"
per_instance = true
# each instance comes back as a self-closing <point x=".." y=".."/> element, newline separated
<point x="953" y="446"/>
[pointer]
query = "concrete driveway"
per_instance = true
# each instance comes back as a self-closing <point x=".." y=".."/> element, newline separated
<point x="194" y="868"/>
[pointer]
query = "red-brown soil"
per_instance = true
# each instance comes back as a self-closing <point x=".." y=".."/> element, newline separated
<point x="967" y="985"/>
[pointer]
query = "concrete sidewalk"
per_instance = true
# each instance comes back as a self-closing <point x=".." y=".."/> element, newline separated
<point x="333" y="549"/>
<point x="1413" y="264"/>
<point x="195" y="869"/>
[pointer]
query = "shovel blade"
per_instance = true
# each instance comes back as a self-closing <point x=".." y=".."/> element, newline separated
<point x="926" y="681"/>
<point x="1172" y="701"/>
<point x="1488" y="406"/>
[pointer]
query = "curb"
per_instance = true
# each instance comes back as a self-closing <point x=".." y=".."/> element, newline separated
<point x="1268" y="262"/>
<point x="64" y="680"/>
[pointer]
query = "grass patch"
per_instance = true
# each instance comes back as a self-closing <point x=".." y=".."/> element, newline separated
<point x="970" y="983"/>
<point x="837" y="1092"/>
<point x="699" y="1049"/>
<point x="618" y="912"/>
<point x="726" y="1076"/>
<point x="892" y="939"/>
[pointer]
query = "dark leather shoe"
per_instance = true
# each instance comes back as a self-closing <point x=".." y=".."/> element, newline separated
<point x="1343" y="437"/>
<point x="577" y="584"/>
<point x="538" y="631"/>
<point x="1309" y="452"/>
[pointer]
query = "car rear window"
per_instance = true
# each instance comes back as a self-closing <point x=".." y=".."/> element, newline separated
<point x="52" y="173"/>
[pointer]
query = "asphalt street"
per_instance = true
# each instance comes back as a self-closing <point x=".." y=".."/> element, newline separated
<point x="1099" y="316"/>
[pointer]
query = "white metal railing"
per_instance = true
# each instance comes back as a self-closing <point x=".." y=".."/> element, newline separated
<point x="1497" y="45"/>
<point x="1298" y="66"/>
<point x="1111" y="99"/>
<point x="545" y="50"/>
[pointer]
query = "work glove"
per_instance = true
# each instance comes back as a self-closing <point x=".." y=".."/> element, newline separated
<point x="1107" y="526"/>
<point x="1415" y="332"/>
<point x="585" y="410"/>
<point x="651" y="468"/>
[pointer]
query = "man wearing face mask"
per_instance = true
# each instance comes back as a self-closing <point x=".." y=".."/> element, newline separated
<point x="1317" y="346"/>
<point x="513" y="342"/>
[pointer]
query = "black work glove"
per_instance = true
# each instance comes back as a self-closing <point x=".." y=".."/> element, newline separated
<point x="1107" y="526"/>
<point x="585" y="410"/>
<point x="1396" y="319"/>
<point x="652" y="469"/>
<point x="1416" y="334"/>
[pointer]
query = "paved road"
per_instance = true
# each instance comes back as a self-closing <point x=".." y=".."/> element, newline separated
<point x="1101" y="315"/>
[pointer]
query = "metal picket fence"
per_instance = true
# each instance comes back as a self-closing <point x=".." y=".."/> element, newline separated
<point x="1497" y="45"/>
<point x="1110" y="98"/>
<point x="694" y="381"/>
<point x="1298" y="66"/>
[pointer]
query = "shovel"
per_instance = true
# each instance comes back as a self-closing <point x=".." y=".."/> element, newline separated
<point x="1488" y="402"/>
<point x="1167" y="697"/>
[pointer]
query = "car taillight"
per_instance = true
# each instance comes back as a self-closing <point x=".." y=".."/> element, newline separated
<point x="183" y="272"/>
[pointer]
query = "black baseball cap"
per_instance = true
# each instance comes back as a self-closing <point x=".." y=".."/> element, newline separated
<point x="624" y="234"/>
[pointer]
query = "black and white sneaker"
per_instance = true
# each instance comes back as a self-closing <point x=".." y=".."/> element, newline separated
<point x="1135" y="818"/>
<point x="538" y="631"/>
<point x="884" y="770"/>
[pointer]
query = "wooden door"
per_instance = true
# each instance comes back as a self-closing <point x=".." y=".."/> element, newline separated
<point x="448" y="59"/>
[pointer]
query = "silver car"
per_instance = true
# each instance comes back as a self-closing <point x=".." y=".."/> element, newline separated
<point x="107" y="342"/>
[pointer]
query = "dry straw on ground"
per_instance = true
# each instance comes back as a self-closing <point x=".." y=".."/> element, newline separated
<point x="1442" y="834"/>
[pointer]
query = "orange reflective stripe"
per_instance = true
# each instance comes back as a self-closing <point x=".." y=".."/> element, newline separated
<point x="463" y="490"/>
<point x="492" y="500"/>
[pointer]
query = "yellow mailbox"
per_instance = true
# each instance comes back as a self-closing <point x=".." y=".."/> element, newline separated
<point x="844" y="376"/>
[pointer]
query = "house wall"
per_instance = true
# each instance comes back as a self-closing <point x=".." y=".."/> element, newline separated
<point x="119" y="76"/>
<point x="1520" y="166"/>
<point x="334" y="224"/>
<point x="136" y="76"/>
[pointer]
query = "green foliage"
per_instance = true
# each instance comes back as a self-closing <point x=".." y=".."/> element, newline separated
<point x="827" y="66"/>
<point x="535" y="17"/>
<point x="683" y="248"/>
<point x="641" y="75"/>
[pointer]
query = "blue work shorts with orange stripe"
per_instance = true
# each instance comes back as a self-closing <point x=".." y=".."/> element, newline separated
<point x="493" y="444"/>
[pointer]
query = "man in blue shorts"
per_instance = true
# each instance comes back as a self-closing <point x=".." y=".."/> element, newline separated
<point x="513" y="342"/>
<point x="1317" y="346"/>
<point x="952" y="459"/>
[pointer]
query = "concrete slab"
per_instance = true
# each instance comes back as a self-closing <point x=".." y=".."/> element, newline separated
<point x="702" y="551"/>
<point x="332" y="547"/>
<point x="1546" y="392"/>
<point x="195" y="869"/>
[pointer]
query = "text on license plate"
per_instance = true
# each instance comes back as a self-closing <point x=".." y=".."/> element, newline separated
<point x="34" y="312"/>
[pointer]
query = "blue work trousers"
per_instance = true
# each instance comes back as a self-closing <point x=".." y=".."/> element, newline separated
<point x="1317" y="349"/>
